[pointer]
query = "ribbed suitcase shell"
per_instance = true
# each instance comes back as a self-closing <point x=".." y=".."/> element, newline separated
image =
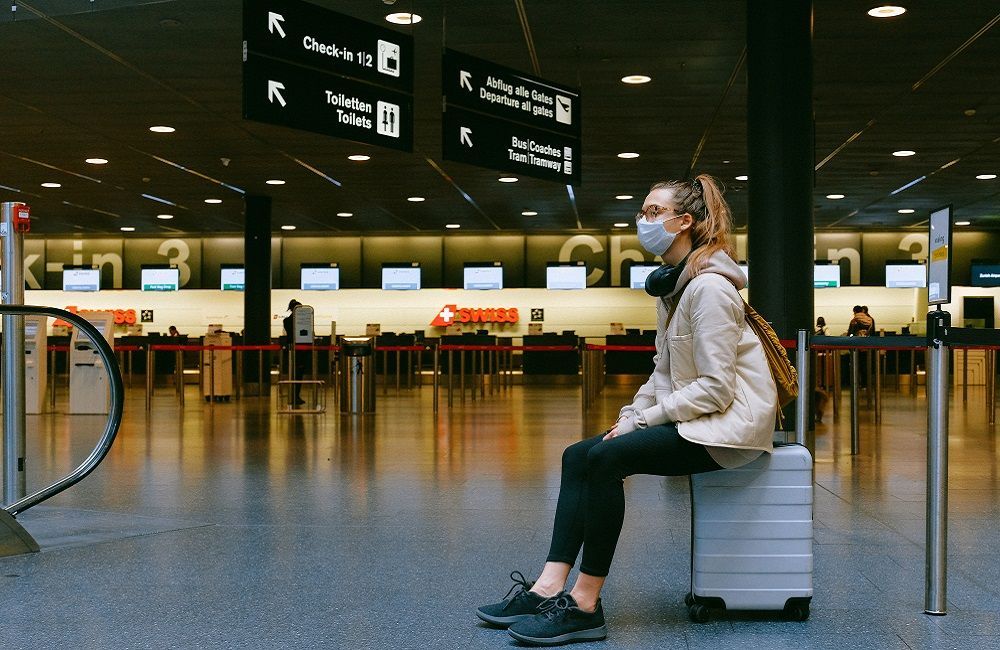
<point x="752" y="531"/>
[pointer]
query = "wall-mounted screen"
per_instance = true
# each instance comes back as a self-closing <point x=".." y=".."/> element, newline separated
<point x="81" y="279"/>
<point x="160" y="279"/>
<point x="637" y="275"/>
<point x="565" y="276"/>
<point x="985" y="273"/>
<point x="319" y="277"/>
<point x="826" y="276"/>
<point x="233" y="278"/>
<point x="400" y="277"/>
<point x="905" y="275"/>
<point x="482" y="275"/>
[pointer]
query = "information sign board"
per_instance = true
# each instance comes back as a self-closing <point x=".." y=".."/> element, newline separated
<point x="939" y="259"/>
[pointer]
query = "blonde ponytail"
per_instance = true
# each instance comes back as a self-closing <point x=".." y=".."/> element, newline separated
<point x="701" y="197"/>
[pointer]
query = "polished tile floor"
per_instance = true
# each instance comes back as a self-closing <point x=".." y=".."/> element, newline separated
<point x="230" y="526"/>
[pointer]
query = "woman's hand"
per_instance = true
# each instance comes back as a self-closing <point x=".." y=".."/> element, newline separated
<point x="625" y="425"/>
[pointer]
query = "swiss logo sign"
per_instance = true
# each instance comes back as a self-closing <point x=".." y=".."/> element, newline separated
<point x="452" y="314"/>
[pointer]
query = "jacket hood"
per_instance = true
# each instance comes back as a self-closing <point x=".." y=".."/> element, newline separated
<point x="719" y="263"/>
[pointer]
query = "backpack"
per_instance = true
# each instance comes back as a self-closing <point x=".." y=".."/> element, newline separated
<point x="786" y="378"/>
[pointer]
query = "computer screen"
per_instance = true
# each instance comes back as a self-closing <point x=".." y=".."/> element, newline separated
<point x="488" y="275"/>
<point x="233" y="278"/>
<point x="985" y="273"/>
<point x="905" y="276"/>
<point x="161" y="279"/>
<point x="637" y="275"/>
<point x="400" y="278"/>
<point x="320" y="278"/>
<point x="826" y="276"/>
<point x="558" y="276"/>
<point x="81" y="280"/>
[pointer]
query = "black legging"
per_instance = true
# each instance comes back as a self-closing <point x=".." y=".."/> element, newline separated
<point x="591" y="505"/>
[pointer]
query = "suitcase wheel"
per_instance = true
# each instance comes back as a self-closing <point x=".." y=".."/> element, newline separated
<point x="689" y="599"/>
<point x="798" y="612"/>
<point x="698" y="613"/>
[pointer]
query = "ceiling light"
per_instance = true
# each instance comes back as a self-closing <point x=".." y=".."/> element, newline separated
<point x="51" y="185"/>
<point x="636" y="79"/>
<point x="164" y="216"/>
<point x="628" y="154"/>
<point x="622" y="225"/>
<point x="529" y="213"/>
<point x="963" y="223"/>
<point x="742" y="177"/>
<point x="985" y="177"/>
<point x="886" y="11"/>
<point x="415" y="199"/>
<point x="275" y="181"/>
<point x="162" y="129"/>
<point x="403" y="18"/>
<point x="726" y="162"/>
<point x="452" y="226"/>
<point x="906" y="211"/>
<point x="288" y="227"/>
<point x="127" y="229"/>
<point x="903" y="153"/>
<point x="213" y="201"/>
<point x="96" y="161"/>
<point x="508" y="179"/>
<point x="345" y="214"/>
<point x="359" y="157"/>
<point x="623" y="197"/>
<point x="834" y="196"/>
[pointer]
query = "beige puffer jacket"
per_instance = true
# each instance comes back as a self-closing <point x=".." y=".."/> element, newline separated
<point x="710" y="375"/>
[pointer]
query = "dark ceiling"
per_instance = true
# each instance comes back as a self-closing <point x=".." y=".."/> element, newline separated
<point x="86" y="78"/>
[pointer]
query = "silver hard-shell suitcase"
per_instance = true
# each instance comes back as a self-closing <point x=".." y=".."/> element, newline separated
<point x="752" y="536"/>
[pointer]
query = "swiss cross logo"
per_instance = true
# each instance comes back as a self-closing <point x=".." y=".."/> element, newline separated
<point x="445" y="317"/>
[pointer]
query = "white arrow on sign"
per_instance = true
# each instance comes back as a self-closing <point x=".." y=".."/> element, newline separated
<point x="274" y="23"/>
<point x="464" y="136"/>
<point x="465" y="79"/>
<point x="273" y="88"/>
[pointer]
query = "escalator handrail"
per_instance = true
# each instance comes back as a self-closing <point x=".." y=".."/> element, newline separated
<point x="114" y="417"/>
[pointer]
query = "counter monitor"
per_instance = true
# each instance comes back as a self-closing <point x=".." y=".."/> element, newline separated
<point x="565" y="276"/>
<point x="401" y="277"/>
<point x="637" y="274"/>
<point x="81" y="279"/>
<point x="160" y="279"/>
<point x="319" y="277"/>
<point x="482" y="275"/>
<point x="233" y="277"/>
<point x="985" y="273"/>
<point x="905" y="275"/>
<point x="826" y="276"/>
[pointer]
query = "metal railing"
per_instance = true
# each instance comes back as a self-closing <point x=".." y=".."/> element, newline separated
<point x="117" y="390"/>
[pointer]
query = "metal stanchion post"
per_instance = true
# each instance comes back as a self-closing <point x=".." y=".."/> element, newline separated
<point x="437" y="375"/>
<point x="965" y="375"/>
<point x="461" y="374"/>
<point x="584" y="373"/>
<point x="451" y="354"/>
<point x="936" y="562"/>
<point x="913" y="373"/>
<point x="150" y="356"/>
<point x="802" y="400"/>
<point x="482" y="374"/>
<point x="855" y="442"/>
<point x="179" y="376"/>
<point x="398" y="358"/>
<point x="211" y="376"/>
<point x="833" y="358"/>
<point x="53" y="379"/>
<point x="878" y="386"/>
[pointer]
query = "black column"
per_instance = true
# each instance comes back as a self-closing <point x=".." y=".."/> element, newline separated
<point x="781" y="162"/>
<point x="257" y="293"/>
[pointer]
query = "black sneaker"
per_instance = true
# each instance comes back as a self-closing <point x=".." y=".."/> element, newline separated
<point x="562" y="621"/>
<point x="520" y="607"/>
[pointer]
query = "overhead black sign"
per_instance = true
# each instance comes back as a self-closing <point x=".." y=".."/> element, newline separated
<point x="290" y="95"/>
<point x="313" y="69"/>
<point x="484" y="86"/>
<point x="481" y="140"/>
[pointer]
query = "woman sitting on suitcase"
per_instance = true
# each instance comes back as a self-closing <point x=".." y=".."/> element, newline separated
<point x="709" y="404"/>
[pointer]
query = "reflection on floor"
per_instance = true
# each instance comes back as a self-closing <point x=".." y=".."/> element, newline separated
<point x="232" y="526"/>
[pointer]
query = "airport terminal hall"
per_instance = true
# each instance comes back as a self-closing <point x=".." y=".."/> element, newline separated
<point x="477" y="324"/>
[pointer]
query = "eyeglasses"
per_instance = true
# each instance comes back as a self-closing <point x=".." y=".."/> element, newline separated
<point x="652" y="214"/>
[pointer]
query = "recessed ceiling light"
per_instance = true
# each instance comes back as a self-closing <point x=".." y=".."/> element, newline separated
<point x="985" y="177"/>
<point x="165" y="216"/>
<point x="213" y="201"/>
<point x="452" y="226"/>
<point x="162" y="129"/>
<point x="886" y="11"/>
<point x="906" y="211"/>
<point x="508" y="179"/>
<point x="903" y="153"/>
<point x="726" y="162"/>
<point x="415" y="199"/>
<point x="359" y="157"/>
<point x="623" y="197"/>
<point x="288" y="227"/>
<point x="622" y="225"/>
<point x="345" y="214"/>
<point x="636" y="79"/>
<point x="96" y="161"/>
<point x="742" y="177"/>
<point x="834" y="196"/>
<point x="403" y="18"/>
<point x="51" y="185"/>
<point x="275" y="181"/>
<point x="529" y="213"/>
<point x="963" y="223"/>
<point x="127" y="229"/>
<point x="628" y="154"/>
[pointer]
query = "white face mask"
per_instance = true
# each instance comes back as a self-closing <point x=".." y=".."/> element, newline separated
<point x="654" y="237"/>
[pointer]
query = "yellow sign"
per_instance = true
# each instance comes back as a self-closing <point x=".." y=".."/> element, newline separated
<point x="939" y="254"/>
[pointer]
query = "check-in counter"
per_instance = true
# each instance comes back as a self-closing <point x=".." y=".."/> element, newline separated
<point x="547" y="362"/>
<point x="621" y="362"/>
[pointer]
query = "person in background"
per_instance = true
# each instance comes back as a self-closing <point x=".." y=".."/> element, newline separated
<point x="299" y="359"/>
<point x="172" y="331"/>
<point x="861" y="324"/>
<point x="820" y="327"/>
<point x="709" y="403"/>
<point x="873" y="329"/>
